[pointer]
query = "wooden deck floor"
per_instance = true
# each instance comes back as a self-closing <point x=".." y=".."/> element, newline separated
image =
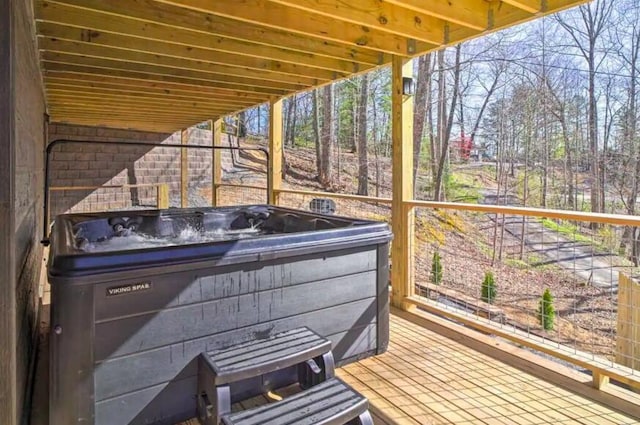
<point x="427" y="378"/>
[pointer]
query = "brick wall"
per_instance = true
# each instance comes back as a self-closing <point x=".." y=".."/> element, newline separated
<point x="97" y="165"/>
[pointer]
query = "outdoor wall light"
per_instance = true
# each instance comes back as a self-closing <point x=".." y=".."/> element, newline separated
<point x="408" y="86"/>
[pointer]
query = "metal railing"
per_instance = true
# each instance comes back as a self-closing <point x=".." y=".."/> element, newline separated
<point x="553" y="281"/>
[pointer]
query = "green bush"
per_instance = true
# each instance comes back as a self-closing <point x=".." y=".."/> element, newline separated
<point x="436" y="268"/>
<point x="489" y="291"/>
<point x="546" y="312"/>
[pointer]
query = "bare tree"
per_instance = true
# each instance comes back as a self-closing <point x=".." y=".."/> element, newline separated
<point x="327" y="133"/>
<point x="363" y="160"/>
<point x="585" y="30"/>
<point x="445" y="120"/>
<point x="422" y="99"/>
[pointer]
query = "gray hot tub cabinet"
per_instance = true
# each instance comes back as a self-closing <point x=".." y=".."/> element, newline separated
<point x="127" y="326"/>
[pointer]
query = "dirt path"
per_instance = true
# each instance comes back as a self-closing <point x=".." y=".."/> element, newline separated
<point x="579" y="258"/>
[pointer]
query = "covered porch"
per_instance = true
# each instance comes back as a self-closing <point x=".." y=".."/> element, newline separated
<point x="162" y="66"/>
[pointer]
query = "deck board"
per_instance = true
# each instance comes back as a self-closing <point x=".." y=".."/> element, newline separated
<point x="428" y="379"/>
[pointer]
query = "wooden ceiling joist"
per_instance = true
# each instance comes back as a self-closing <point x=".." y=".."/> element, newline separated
<point x="156" y="103"/>
<point x="301" y="22"/>
<point x="123" y="62"/>
<point x="118" y="70"/>
<point x="72" y="89"/>
<point x="162" y="68"/>
<point x="63" y="47"/>
<point x="160" y="21"/>
<point x="529" y="6"/>
<point x="57" y="32"/>
<point x="151" y="86"/>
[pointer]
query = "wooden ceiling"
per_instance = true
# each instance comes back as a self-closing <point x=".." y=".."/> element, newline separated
<point x="167" y="64"/>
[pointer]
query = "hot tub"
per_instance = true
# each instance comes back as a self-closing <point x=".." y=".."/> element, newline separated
<point x="137" y="295"/>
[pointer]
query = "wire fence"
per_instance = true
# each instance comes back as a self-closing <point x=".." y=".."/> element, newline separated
<point x="565" y="283"/>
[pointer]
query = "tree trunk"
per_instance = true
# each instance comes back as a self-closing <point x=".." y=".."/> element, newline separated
<point x="316" y="131"/>
<point x="326" y="136"/>
<point x="363" y="160"/>
<point x="445" y="123"/>
<point x="420" y="108"/>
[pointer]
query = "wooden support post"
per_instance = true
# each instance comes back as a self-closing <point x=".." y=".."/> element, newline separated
<point x="599" y="380"/>
<point x="628" y="324"/>
<point x="402" y="217"/>
<point x="162" y="196"/>
<point x="216" y="161"/>
<point x="184" y="169"/>
<point x="274" y="170"/>
<point x="8" y="384"/>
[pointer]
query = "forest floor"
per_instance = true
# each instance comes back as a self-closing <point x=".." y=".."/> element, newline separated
<point x="586" y="314"/>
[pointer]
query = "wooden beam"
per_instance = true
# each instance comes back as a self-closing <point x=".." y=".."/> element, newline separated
<point x="171" y="104"/>
<point x="170" y="48"/>
<point x="8" y="383"/>
<point x="157" y="78"/>
<point x="473" y="14"/>
<point x="162" y="196"/>
<point x="275" y="149"/>
<point x="505" y="15"/>
<point x="141" y="95"/>
<point x="173" y="122"/>
<point x="93" y="50"/>
<point x="156" y="21"/>
<point x="136" y="109"/>
<point x="283" y="18"/>
<point x="119" y="124"/>
<point x="216" y="165"/>
<point x="402" y="218"/>
<point x="92" y="80"/>
<point x="529" y="6"/>
<point x="166" y="120"/>
<point x="163" y="69"/>
<point x="379" y="15"/>
<point x="184" y="169"/>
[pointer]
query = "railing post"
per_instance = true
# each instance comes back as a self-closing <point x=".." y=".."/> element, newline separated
<point x="274" y="170"/>
<point x="402" y="216"/>
<point x="184" y="169"/>
<point x="162" y="196"/>
<point x="216" y="161"/>
<point x="628" y="323"/>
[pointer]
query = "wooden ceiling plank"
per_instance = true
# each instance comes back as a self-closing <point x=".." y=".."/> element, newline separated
<point x="473" y="14"/>
<point x="148" y="19"/>
<point x="79" y="88"/>
<point x="124" y="65"/>
<point x="379" y="15"/>
<point x="162" y="86"/>
<point x="66" y="94"/>
<point x="52" y="44"/>
<point x="280" y="17"/>
<point x="94" y="37"/>
<point x="158" y="77"/>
